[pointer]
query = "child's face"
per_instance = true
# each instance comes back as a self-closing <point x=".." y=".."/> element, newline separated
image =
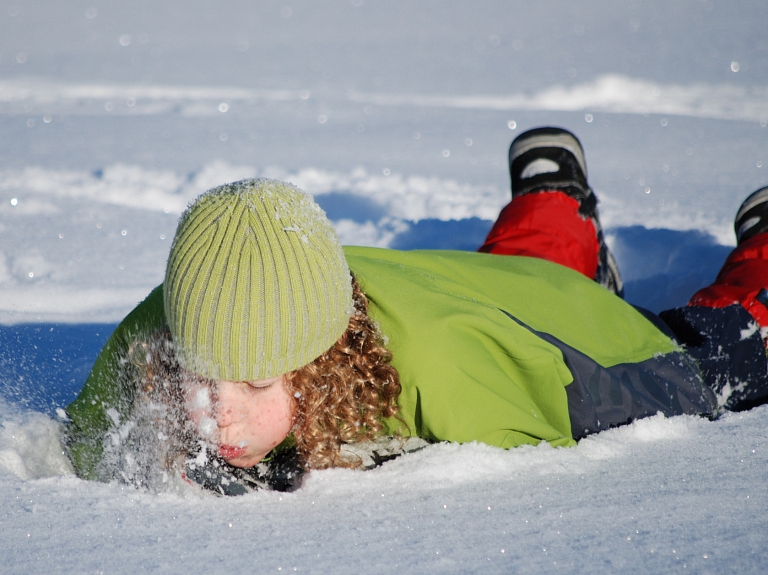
<point x="246" y="420"/>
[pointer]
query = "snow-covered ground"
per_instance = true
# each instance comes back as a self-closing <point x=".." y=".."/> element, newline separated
<point x="659" y="496"/>
<point x="397" y="115"/>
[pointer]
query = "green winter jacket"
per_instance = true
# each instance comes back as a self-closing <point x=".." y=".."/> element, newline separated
<point x="505" y="350"/>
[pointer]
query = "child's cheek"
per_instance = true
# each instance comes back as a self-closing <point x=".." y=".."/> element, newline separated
<point x="278" y="416"/>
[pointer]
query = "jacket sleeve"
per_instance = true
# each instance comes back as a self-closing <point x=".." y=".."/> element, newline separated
<point x="106" y="397"/>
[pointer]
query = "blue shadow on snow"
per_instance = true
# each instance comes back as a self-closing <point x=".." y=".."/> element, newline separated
<point x="44" y="366"/>
<point x="663" y="268"/>
<point x="466" y="235"/>
<point x="345" y="206"/>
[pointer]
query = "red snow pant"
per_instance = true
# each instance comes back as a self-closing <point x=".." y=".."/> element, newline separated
<point x="547" y="225"/>
<point x="742" y="277"/>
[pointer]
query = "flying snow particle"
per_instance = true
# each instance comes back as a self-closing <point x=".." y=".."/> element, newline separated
<point x="446" y="153"/>
<point x="113" y="415"/>
<point x="735" y="66"/>
<point x="207" y="426"/>
<point x="511" y="124"/>
<point x="125" y="40"/>
<point x="202" y="399"/>
<point x="223" y="107"/>
<point x="588" y="118"/>
<point x="202" y="457"/>
<point x="751" y="329"/>
<point x="14" y="201"/>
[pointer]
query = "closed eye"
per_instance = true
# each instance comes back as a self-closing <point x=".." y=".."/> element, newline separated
<point x="263" y="383"/>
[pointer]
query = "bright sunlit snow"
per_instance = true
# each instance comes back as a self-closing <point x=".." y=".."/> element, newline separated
<point x="397" y="117"/>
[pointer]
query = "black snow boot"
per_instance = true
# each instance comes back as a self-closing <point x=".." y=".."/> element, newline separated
<point x="553" y="159"/>
<point x="752" y="217"/>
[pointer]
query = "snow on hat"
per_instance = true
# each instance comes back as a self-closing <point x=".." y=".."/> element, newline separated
<point x="256" y="284"/>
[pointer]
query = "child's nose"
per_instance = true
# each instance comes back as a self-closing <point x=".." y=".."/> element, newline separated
<point x="227" y="406"/>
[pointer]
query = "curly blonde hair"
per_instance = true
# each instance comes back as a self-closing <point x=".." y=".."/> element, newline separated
<point x="341" y="397"/>
<point x="344" y="395"/>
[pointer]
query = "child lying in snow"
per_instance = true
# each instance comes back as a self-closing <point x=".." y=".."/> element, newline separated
<point x="261" y="356"/>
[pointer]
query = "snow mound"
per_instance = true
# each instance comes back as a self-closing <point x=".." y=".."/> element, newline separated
<point x="30" y="445"/>
<point x="612" y="93"/>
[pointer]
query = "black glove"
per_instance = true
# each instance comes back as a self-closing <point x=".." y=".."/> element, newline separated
<point x="280" y="471"/>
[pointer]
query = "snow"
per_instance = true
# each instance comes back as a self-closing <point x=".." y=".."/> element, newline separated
<point x="397" y="117"/>
<point x="745" y="333"/>
<point x="661" y="495"/>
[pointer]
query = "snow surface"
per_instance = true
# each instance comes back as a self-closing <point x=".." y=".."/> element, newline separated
<point x="397" y="116"/>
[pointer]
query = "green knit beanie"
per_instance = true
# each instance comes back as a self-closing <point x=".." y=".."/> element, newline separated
<point x="257" y="284"/>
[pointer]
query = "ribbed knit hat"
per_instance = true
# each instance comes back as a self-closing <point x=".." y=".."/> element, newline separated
<point x="257" y="284"/>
